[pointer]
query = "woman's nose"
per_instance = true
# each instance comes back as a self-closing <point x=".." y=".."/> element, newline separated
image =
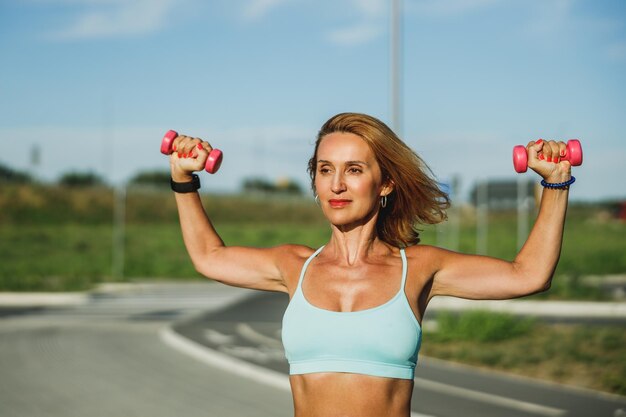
<point x="338" y="185"/>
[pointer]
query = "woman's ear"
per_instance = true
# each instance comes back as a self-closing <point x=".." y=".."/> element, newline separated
<point x="388" y="187"/>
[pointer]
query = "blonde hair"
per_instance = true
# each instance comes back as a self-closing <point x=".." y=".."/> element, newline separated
<point x="416" y="198"/>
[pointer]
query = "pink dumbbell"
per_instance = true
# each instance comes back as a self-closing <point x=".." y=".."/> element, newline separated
<point x="574" y="154"/>
<point x="213" y="162"/>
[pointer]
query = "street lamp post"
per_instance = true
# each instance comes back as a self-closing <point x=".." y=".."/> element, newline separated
<point x="396" y="66"/>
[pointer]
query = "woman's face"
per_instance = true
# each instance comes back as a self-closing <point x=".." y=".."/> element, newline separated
<point x="348" y="179"/>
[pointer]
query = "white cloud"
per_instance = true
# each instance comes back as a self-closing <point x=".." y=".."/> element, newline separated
<point x="372" y="8"/>
<point x="368" y="14"/>
<point x="257" y="9"/>
<point x="369" y="24"/>
<point x="354" y="35"/>
<point x="447" y="7"/>
<point x="73" y="2"/>
<point x="111" y="18"/>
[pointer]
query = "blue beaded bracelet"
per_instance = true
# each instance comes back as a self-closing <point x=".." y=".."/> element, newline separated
<point x="558" y="184"/>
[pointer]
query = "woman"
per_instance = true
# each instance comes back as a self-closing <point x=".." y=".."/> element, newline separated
<point x="352" y="328"/>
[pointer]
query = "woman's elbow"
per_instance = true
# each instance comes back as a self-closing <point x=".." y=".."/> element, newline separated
<point x="539" y="285"/>
<point x="203" y="264"/>
<point x="546" y="285"/>
<point x="206" y="271"/>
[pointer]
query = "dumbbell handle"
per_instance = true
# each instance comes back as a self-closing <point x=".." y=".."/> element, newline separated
<point x="574" y="154"/>
<point x="213" y="161"/>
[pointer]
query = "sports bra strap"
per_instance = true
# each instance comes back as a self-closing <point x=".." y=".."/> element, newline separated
<point x="308" y="261"/>
<point x="306" y="264"/>
<point x="404" y="268"/>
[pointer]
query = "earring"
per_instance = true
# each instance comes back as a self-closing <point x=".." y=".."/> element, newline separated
<point x="317" y="199"/>
<point x="383" y="201"/>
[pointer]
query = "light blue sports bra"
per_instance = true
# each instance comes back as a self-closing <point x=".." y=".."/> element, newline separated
<point x="380" y="341"/>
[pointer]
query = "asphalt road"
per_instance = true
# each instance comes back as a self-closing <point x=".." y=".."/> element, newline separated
<point x="113" y="356"/>
<point x="106" y="359"/>
<point x="250" y="331"/>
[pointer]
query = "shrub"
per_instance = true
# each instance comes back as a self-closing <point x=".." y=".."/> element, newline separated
<point x="80" y="179"/>
<point x="157" y="178"/>
<point x="10" y="175"/>
<point x="481" y="326"/>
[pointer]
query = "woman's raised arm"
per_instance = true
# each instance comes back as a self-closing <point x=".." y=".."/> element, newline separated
<point x="482" y="277"/>
<point x="246" y="267"/>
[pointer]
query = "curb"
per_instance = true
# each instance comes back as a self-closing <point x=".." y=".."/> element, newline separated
<point x="71" y="299"/>
<point x="555" y="309"/>
<point x="9" y="299"/>
<point x="615" y="310"/>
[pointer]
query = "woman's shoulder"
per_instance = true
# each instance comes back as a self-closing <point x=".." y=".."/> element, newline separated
<point x="424" y="254"/>
<point x="291" y="259"/>
<point x="292" y="255"/>
<point x="421" y="250"/>
<point x="423" y="261"/>
<point x="299" y="251"/>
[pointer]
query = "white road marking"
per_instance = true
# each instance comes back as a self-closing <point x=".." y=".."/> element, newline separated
<point x="224" y="362"/>
<point x="214" y="336"/>
<point x="263" y="355"/>
<point x="247" y="332"/>
<point x="271" y="349"/>
<point x="489" y="398"/>
<point x="254" y="336"/>
<point x="227" y="363"/>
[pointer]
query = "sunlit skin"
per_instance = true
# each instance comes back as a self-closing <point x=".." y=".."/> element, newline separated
<point x="349" y="185"/>
<point x="357" y="271"/>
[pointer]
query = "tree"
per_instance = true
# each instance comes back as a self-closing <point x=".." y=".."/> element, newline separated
<point x="282" y="186"/>
<point x="81" y="179"/>
<point x="251" y="185"/>
<point x="10" y="175"/>
<point x="158" y="178"/>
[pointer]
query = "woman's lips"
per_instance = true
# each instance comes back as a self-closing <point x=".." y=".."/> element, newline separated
<point x="338" y="203"/>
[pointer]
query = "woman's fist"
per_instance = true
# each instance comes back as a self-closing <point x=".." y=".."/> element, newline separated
<point x="189" y="154"/>
<point x="548" y="159"/>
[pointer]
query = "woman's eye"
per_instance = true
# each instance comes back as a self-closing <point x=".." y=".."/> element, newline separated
<point x="355" y="170"/>
<point x="324" y="170"/>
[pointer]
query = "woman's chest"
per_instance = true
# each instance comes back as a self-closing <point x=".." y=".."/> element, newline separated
<point x="351" y="289"/>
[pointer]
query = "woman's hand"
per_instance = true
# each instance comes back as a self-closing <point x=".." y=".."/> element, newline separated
<point x="545" y="158"/>
<point x="189" y="155"/>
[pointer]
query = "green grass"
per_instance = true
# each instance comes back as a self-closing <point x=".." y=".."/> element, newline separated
<point x="590" y="245"/>
<point x="157" y="251"/>
<point x="481" y="326"/>
<point x="74" y="257"/>
<point x="61" y="239"/>
<point x="581" y="355"/>
<point x="54" y="258"/>
<point x="54" y="239"/>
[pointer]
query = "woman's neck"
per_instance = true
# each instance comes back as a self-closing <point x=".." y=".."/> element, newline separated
<point x="352" y="245"/>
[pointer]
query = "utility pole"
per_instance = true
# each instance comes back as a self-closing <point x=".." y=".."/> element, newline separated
<point x="522" y="211"/>
<point x="396" y="66"/>
<point x="119" y="231"/>
<point x="482" y="217"/>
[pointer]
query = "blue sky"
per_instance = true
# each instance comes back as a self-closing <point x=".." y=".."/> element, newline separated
<point x="93" y="84"/>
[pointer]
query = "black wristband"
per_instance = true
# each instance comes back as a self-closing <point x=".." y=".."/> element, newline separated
<point x="186" y="187"/>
